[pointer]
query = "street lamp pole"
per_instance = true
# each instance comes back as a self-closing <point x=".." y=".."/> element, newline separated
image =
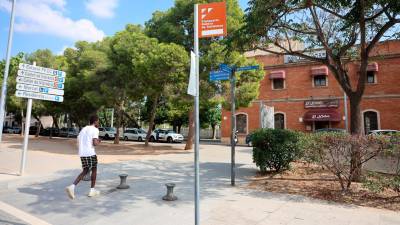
<point x="6" y="70"/>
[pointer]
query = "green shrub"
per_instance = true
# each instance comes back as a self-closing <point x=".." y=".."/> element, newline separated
<point x="275" y="149"/>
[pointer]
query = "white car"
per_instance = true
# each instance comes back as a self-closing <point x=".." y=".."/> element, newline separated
<point x="134" y="134"/>
<point x="383" y="132"/>
<point x="166" y="135"/>
<point x="107" y="132"/>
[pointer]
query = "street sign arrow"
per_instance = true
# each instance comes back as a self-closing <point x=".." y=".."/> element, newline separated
<point x="44" y="90"/>
<point x="245" y="68"/>
<point x="39" y="69"/>
<point x="219" y="75"/>
<point x="39" y="96"/>
<point x="41" y="76"/>
<point x="225" y="67"/>
<point x="42" y="83"/>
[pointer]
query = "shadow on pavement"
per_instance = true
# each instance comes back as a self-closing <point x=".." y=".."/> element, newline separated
<point x="146" y="178"/>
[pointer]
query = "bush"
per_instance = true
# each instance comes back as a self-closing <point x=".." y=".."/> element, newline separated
<point x="275" y="149"/>
<point x="337" y="153"/>
<point x="377" y="182"/>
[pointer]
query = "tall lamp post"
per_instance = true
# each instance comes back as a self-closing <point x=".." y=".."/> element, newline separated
<point x="6" y="70"/>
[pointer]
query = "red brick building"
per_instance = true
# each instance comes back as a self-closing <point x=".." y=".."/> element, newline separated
<point x="306" y="96"/>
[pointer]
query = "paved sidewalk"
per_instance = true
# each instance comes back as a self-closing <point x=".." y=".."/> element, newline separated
<point x="221" y="204"/>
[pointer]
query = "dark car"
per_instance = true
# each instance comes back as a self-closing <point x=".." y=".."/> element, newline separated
<point x="68" y="132"/>
<point x="47" y="131"/>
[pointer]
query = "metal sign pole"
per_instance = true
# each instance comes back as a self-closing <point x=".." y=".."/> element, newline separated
<point x="6" y="70"/>
<point x="26" y="135"/>
<point x="196" y="116"/>
<point x="233" y="126"/>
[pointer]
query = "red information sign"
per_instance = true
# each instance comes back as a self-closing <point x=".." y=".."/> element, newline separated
<point x="212" y="19"/>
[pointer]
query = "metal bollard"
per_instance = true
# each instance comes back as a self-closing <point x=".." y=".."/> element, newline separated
<point x="87" y="177"/>
<point x="170" y="193"/>
<point x="123" y="184"/>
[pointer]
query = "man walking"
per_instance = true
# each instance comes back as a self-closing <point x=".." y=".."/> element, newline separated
<point x="87" y="139"/>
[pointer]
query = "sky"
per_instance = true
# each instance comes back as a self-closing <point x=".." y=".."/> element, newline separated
<point x="58" y="24"/>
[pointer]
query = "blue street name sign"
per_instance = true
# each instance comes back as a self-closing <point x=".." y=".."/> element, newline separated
<point x="224" y="67"/>
<point x="219" y="75"/>
<point x="244" y="68"/>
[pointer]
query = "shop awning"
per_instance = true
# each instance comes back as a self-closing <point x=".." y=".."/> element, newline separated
<point x="322" y="115"/>
<point x="319" y="70"/>
<point x="373" y="67"/>
<point x="278" y="74"/>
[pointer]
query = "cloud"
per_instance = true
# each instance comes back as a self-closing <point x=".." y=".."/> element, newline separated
<point x="102" y="8"/>
<point x="47" y="17"/>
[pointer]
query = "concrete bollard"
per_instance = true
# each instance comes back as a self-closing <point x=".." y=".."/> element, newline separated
<point x="123" y="184"/>
<point x="87" y="177"/>
<point x="170" y="193"/>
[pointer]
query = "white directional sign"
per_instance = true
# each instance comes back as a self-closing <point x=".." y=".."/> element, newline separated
<point x="38" y="69"/>
<point x="44" y="90"/>
<point x="42" y="83"/>
<point x="41" y="76"/>
<point x="35" y="82"/>
<point x="39" y="96"/>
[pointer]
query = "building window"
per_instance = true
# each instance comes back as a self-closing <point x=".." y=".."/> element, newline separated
<point x="371" y="77"/>
<point x="241" y="123"/>
<point x="320" y="81"/>
<point x="370" y="121"/>
<point x="279" y="119"/>
<point x="278" y="84"/>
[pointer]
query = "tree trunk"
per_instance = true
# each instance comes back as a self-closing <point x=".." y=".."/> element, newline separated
<point x="38" y="126"/>
<point x="355" y="129"/>
<point x="119" y="120"/>
<point x="190" y="138"/>
<point x="179" y="128"/>
<point x="214" y="134"/>
<point x="174" y="127"/>
<point x="152" y="117"/>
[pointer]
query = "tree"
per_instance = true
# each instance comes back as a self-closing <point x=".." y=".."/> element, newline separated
<point x="128" y="49"/>
<point x="210" y="116"/>
<point x="163" y="72"/>
<point x="347" y="30"/>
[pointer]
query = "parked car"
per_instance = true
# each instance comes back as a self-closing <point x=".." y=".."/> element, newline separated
<point x="13" y="130"/>
<point x="338" y="130"/>
<point x="33" y="130"/>
<point x="134" y="134"/>
<point x="68" y="132"/>
<point x="383" y="132"/>
<point x="47" y="131"/>
<point x="169" y="136"/>
<point x="107" y="132"/>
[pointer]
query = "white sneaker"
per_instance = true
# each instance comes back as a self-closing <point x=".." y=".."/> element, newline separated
<point x="70" y="191"/>
<point x="93" y="192"/>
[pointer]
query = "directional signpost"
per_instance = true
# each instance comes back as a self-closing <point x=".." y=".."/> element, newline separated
<point x="227" y="72"/>
<point x="219" y="75"/>
<point x="35" y="82"/>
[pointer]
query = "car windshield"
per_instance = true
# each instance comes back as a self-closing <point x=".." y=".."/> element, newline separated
<point x="171" y="132"/>
<point x="110" y="129"/>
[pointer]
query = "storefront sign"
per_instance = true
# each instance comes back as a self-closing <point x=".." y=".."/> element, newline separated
<point x="329" y="103"/>
<point x="321" y="116"/>
<point x="321" y="54"/>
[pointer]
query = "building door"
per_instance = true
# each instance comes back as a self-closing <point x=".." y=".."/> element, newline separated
<point x="321" y="124"/>
<point x="370" y="121"/>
